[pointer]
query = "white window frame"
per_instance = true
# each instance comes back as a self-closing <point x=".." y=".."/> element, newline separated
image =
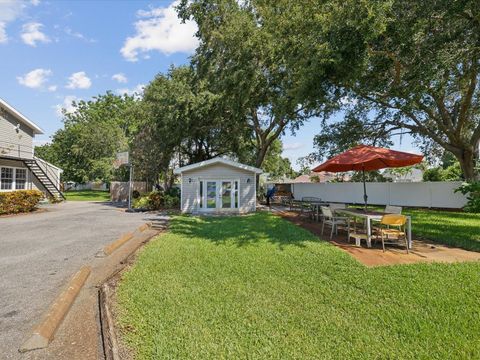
<point x="14" y="174"/>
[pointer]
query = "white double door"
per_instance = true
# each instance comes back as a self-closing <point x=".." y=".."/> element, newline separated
<point x="218" y="194"/>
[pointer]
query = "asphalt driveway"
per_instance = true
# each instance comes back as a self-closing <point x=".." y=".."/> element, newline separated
<point x="39" y="252"/>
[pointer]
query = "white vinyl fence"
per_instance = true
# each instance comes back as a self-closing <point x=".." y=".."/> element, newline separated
<point x="418" y="194"/>
<point x="87" y="186"/>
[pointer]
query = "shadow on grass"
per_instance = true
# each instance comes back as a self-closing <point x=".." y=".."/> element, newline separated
<point x="457" y="229"/>
<point x="241" y="230"/>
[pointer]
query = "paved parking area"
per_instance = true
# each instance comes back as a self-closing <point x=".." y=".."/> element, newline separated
<point x="39" y="252"/>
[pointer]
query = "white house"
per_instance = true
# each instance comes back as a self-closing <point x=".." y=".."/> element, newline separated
<point x="20" y="169"/>
<point x="218" y="185"/>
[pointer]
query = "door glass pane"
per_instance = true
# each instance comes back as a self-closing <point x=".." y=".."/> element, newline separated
<point x="236" y="194"/>
<point x="211" y="194"/>
<point x="226" y="194"/>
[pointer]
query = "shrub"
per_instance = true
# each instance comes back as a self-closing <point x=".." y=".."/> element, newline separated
<point x="155" y="200"/>
<point x="170" y="201"/>
<point x="450" y="173"/>
<point x="472" y="190"/>
<point x="141" y="203"/>
<point x="14" y="202"/>
<point x="173" y="191"/>
<point x="433" y="174"/>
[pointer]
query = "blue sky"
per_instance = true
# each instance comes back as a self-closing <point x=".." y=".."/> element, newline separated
<point x="53" y="52"/>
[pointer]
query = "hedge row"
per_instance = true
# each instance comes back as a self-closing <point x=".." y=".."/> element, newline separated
<point x="13" y="202"/>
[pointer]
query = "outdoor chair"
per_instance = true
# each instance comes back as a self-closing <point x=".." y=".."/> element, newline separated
<point x="389" y="209"/>
<point x="392" y="227"/>
<point x="334" y="221"/>
<point x="335" y="206"/>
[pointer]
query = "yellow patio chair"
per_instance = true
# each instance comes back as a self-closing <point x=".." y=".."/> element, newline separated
<point x="392" y="225"/>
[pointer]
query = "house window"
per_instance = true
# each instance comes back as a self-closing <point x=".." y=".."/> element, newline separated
<point x="13" y="178"/>
<point x="201" y="194"/>
<point x="20" y="179"/>
<point x="6" y="178"/>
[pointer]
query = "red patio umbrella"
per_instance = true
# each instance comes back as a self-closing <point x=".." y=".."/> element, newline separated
<point x="366" y="158"/>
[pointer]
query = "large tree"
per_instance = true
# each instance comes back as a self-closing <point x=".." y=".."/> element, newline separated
<point x="92" y="134"/>
<point x="241" y="59"/>
<point x="182" y="122"/>
<point x="417" y="72"/>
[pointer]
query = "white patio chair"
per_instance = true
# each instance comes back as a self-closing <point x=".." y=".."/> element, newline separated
<point x="389" y="209"/>
<point x="335" y="206"/>
<point x="334" y="221"/>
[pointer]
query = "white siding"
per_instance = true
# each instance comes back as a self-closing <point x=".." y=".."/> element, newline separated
<point x="12" y="143"/>
<point x="192" y="178"/>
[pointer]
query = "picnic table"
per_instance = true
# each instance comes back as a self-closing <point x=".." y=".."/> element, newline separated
<point x="370" y="216"/>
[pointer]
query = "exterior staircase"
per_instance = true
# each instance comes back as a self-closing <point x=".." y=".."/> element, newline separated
<point x="44" y="178"/>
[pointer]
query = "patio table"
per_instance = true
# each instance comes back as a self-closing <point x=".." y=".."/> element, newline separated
<point x="375" y="216"/>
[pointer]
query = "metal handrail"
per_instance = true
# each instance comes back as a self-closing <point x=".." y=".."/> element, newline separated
<point x="35" y="160"/>
<point x="15" y="150"/>
<point x="48" y="171"/>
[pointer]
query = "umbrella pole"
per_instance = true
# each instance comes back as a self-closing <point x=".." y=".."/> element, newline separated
<point x="365" y="197"/>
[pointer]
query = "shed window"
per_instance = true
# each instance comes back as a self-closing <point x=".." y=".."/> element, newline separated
<point x="201" y="194"/>
<point x="235" y="191"/>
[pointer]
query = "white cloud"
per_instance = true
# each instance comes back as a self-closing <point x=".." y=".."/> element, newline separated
<point x="120" y="78"/>
<point x="67" y="105"/>
<point x="293" y="146"/>
<point x="35" y="79"/>
<point x="3" y="33"/>
<point x="52" y="88"/>
<point x="78" y="35"/>
<point x="9" y="11"/>
<point x="35" y="2"/>
<point x="31" y="34"/>
<point x="79" y="80"/>
<point x="160" y="29"/>
<point x="137" y="90"/>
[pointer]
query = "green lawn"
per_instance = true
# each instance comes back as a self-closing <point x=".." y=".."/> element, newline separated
<point x="87" y="195"/>
<point x="447" y="227"/>
<point x="259" y="287"/>
<point x="454" y="228"/>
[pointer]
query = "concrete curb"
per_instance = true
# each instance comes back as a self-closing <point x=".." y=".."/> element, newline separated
<point x="106" y="290"/>
<point x="110" y="248"/>
<point x="143" y="227"/>
<point x="43" y="333"/>
<point x="110" y="343"/>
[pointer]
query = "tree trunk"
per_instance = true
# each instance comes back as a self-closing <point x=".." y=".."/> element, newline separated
<point x="466" y="157"/>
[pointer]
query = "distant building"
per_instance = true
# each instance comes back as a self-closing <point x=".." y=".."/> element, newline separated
<point x="321" y="176"/>
<point x="414" y="175"/>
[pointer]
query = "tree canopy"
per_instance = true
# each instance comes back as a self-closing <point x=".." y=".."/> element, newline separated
<point x="92" y="135"/>
<point x="416" y="71"/>
<point x="264" y="68"/>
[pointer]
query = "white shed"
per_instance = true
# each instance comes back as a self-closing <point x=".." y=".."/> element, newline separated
<point x="218" y="185"/>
